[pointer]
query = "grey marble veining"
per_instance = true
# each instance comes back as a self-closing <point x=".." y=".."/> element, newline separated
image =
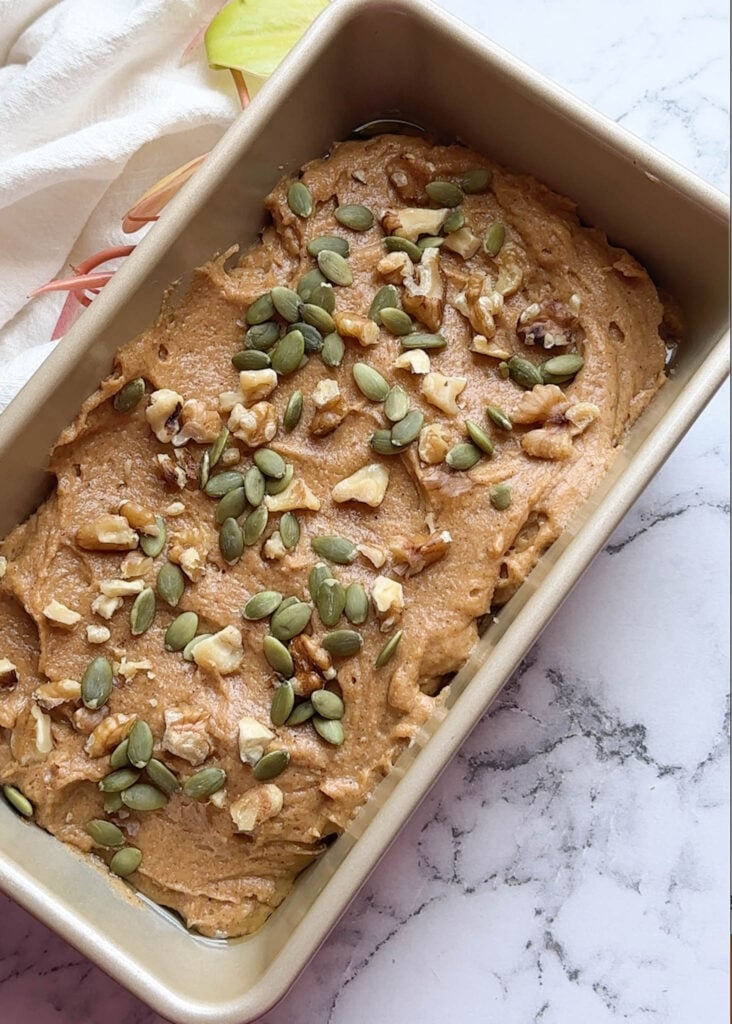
<point x="571" y="863"/>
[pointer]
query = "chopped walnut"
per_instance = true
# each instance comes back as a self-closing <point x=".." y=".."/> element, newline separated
<point x="221" y="653"/>
<point x="51" y="695"/>
<point x="256" y="385"/>
<point x="396" y="267"/>
<point x="433" y="444"/>
<point x="510" y="269"/>
<point x="135" y="565"/>
<point x="200" y="424"/>
<point x="415" y="360"/>
<point x="484" y="347"/>
<point x="256" y="806"/>
<point x="297" y="495"/>
<point x="186" y="733"/>
<point x="31" y="739"/>
<point x="548" y="444"/>
<point x="59" y="615"/>
<point x="463" y="242"/>
<point x="121" y="588"/>
<point x="86" y="721"/>
<point x="479" y="302"/>
<point x="412" y="221"/>
<point x="175" y="508"/>
<point x="107" y="533"/>
<point x="255" y="426"/>
<point x="550" y="326"/>
<point x="442" y="392"/>
<point x="172" y="474"/>
<point x="3" y="566"/>
<point x="105" y="607"/>
<point x="42" y="738"/>
<point x="97" y="634"/>
<point x="312" y="665"/>
<point x="188" y="550"/>
<point x="373" y="553"/>
<point x="129" y="669"/>
<point x="416" y="553"/>
<point x="387" y="596"/>
<point x="424" y="292"/>
<point x="581" y="416"/>
<point x="274" y="548"/>
<point x="539" y="404"/>
<point x="253" y="738"/>
<point x="367" y="485"/>
<point x="8" y="674"/>
<point x="355" y="325"/>
<point x="163" y="414"/>
<point x="139" y="518"/>
<point x="110" y="732"/>
<point x="330" y="408"/>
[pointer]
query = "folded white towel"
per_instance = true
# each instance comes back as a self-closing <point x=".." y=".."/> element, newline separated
<point x="96" y="104"/>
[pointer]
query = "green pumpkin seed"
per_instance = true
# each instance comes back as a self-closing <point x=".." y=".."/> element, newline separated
<point x="312" y="337"/>
<point x="453" y="222"/>
<point x="162" y="777"/>
<point x="421" y="339"/>
<point x="270" y="463"/>
<point x="318" y="574"/>
<point x="386" y="298"/>
<point x="204" y="470"/>
<point x="310" y="281"/>
<point x="255" y="525"/>
<point x="335" y="549"/>
<point x="393" y="243"/>
<point x="222" y="483"/>
<point x="476" y="180"/>
<point x="286" y="302"/>
<point x="396" y="320"/>
<point x="142" y="613"/>
<point x="330" y="242"/>
<point x="170" y="584"/>
<point x="323" y="296"/>
<point x="430" y="242"/>
<point x="355" y="216"/>
<point x="500" y="496"/>
<point x="278" y="657"/>
<point x="396" y="405"/>
<point x="112" y="802"/>
<point x="125" y="862"/>
<point x="388" y="650"/>
<point x="463" y="456"/>
<point x="563" y="366"/>
<point x="141" y="742"/>
<point x="342" y="642"/>
<point x="129" y="396"/>
<point x="204" y="783"/>
<point x="271" y="765"/>
<point x="333" y="350"/>
<point x="479" y="437"/>
<point x="357" y="604"/>
<point x="262" y="605"/>
<point x="18" y="800"/>
<point x="499" y="417"/>
<point x="407" y="429"/>
<point x="495" y="236"/>
<point x="272" y="486"/>
<point x="261" y="310"/>
<point x="231" y="541"/>
<point x="283" y="702"/>
<point x="254" y="486"/>
<point x="250" y="359"/>
<point x="327" y="704"/>
<point x="330" y="730"/>
<point x="289" y="601"/>
<point x="231" y="506"/>
<point x="331" y="601"/>
<point x="119" y="780"/>
<point x="523" y="372"/>
<point x="288" y="353"/>
<point x="118" y="758"/>
<point x="289" y="530"/>
<point x="503" y="370"/>
<point x="217" y="448"/>
<point x="302" y="713"/>
<point x="300" y="199"/>
<point x="96" y="683"/>
<point x="444" y="193"/>
<point x="153" y="545"/>
<point x="261" y="337"/>
<point x="370" y="382"/>
<point x="335" y="267"/>
<point x="143" y="797"/>
<point x="188" y="649"/>
<point x="181" y="631"/>
<point x="293" y="412"/>
<point x="381" y="442"/>
<point x="318" y="318"/>
<point x="289" y="622"/>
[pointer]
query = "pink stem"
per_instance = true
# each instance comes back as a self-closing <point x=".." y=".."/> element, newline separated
<point x="69" y="312"/>
<point x="103" y="256"/>
<point x="79" y="283"/>
<point x="241" y="87"/>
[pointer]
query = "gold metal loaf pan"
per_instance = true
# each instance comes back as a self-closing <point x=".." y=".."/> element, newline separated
<point x="364" y="59"/>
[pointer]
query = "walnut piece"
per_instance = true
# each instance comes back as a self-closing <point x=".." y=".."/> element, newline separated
<point x="186" y="733"/>
<point x="296" y="495"/>
<point x="510" y="269"/>
<point x="484" y="347"/>
<point x="417" y="553"/>
<point x="139" y="518"/>
<point x="200" y="424"/>
<point x="549" y="325"/>
<point x="433" y="444"/>
<point x="256" y="806"/>
<point x="424" y="291"/>
<point x="355" y="325"/>
<point x="373" y="553"/>
<point x="97" y="634"/>
<point x="255" y="426"/>
<point x="3" y="566"/>
<point x="8" y="674"/>
<point x="173" y="475"/>
<point x="479" y="302"/>
<point x="412" y="221"/>
<point x="163" y="414"/>
<point x="221" y="653"/>
<point x="442" y="392"/>
<point x="256" y="385"/>
<point x="548" y="444"/>
<point x="110" y="731"/>
<point x="415" y="360"/>
<point x="387" y="596"/>
<point x="581" y="416"/>
<point x="396" y="267"/>
<point x="59" y="615"/>
<point x="313" y="665"/>
<point x="121" y="588"/>
<point x="274" y="548"/>
<point x="330" y="408"/>
<point x="135" y="565"/>
<point x="188" y="550"/>
<point x="107" y="533"/>
<point x="42" y="731"/>
<point x="367" y="485"/>
<point x="463" y="242"/>
<point x="129" y="669"/>
<point x="253" y="738"/>
<point x="105" y="607"/>
<point x="51" y="695"/>
<point x="540" y="404"/>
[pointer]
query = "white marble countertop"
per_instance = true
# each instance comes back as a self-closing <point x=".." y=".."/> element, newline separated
<point x="571" y="864"/>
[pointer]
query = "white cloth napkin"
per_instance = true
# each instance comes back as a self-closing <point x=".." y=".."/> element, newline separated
<point x="96" y="104"/>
